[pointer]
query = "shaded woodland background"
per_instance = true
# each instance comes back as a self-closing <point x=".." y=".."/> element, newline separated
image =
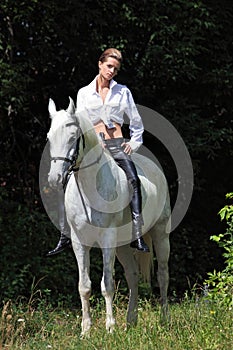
<point x="177" y="61"/>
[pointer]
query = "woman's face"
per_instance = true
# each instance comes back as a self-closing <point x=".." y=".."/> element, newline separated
<point x="109" y="68"/>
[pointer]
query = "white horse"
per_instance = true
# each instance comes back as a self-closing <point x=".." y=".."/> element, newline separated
<point x="97" y="208"/>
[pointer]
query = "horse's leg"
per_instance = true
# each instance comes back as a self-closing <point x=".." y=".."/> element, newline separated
<point x="126" y="257"/>
<point x="162" y="248"/>
<point x="82" y="254"/>
<point x="107" y="285"/>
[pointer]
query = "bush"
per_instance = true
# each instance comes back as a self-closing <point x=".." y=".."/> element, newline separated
<point x="221" y="283"/>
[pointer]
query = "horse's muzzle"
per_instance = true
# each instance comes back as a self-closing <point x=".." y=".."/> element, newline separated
<point x="55" y="181"/>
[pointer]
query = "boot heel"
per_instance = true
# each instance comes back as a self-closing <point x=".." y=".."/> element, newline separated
<point x="140" y="245"/>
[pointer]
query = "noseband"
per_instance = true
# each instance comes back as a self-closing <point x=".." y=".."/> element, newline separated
<point x="65" y="159"/>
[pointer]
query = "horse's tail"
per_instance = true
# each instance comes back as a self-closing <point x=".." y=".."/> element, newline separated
<point x="145" y="261"/>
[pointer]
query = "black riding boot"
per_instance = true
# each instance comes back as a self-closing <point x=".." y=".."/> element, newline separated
<point x="125" y="162"/>
<point x="64" y="241"/>
<point x="138" y="241"/>
<point x="137" y="220"/>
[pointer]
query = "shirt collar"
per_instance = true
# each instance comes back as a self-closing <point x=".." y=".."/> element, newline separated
<point x="92" y="85"/>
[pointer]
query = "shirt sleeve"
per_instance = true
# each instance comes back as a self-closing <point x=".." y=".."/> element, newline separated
<point x="136" y="126"/>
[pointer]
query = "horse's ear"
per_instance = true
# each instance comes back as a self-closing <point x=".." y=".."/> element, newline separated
<point x="52" y="108"/>
<point x="71" y="108"/>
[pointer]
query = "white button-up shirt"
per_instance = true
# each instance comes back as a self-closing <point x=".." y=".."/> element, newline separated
<point x="119" y="101"/>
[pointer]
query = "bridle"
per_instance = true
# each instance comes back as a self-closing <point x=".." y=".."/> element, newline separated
<point x="65" y="159"/>
<point x="74" y="157"/>
<point x="74" y="167"/>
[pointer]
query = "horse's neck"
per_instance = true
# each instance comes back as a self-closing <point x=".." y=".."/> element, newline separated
<point x="97" y="165"/>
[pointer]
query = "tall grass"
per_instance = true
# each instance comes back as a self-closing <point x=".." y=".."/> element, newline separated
<point x="194" y="324"/>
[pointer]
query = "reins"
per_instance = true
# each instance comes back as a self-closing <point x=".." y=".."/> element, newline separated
<point x="65" y="159"/>
<point x="88" y="165"/>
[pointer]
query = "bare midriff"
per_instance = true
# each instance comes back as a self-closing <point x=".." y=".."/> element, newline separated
<point x="108" y="133"/>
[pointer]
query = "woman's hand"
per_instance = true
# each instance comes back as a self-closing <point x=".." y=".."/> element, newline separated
<point x="127" y="147"/>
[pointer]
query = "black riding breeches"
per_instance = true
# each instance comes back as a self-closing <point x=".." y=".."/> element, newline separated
<point x="125" y="162"/>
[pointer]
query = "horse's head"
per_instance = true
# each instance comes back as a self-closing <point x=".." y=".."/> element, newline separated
<point x="62" y="136"/>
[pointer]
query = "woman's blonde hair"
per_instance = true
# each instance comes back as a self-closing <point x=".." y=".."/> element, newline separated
<point x="111" y="52"/>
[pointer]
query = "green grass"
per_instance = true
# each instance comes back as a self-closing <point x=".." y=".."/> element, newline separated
<point x="194" y="324"/>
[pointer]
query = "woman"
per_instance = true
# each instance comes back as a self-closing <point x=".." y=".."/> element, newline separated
<point x="106" y="101"/>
